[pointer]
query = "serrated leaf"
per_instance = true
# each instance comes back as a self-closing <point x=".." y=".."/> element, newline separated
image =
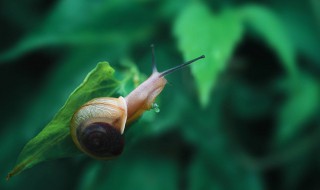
<point x="54" y="140"/>
<point x="214" y="35"/>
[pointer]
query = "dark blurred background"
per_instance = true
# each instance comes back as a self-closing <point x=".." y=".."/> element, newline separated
<point x="255" y="127"/>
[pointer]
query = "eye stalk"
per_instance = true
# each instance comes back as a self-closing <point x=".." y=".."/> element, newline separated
<point x="168" y="71"/>
<point x="154" y="64"/>
<point x="171" y="70"/>
<point x="142" y="98"/>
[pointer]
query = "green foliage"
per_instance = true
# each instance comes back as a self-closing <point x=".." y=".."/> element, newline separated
<point x="245" y="117"/>
<point x="81" y="30"/>
<point x="217" y="35"/>
<point x="298" y="109"/>
<point x="54" y="140"/>
<point x="269" y="27"/>
<point x="200" y="32"/>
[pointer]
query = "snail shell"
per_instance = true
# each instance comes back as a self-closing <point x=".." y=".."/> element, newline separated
<point x="97" y="127"/>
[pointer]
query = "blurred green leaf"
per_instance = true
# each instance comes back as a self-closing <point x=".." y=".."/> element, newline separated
<point x="268" y="26"/>
<point x="214" y="35"/>
<point x="54" y="140"/>
<point x="66" y="25"/>
<point x="298" y="109"/>
<point x="302" y="20"/>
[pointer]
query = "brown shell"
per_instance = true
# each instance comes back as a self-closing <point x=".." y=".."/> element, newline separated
<point x="111" y="111"/>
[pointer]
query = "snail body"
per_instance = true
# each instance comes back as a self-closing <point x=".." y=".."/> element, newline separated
<point x="97" y="126"/>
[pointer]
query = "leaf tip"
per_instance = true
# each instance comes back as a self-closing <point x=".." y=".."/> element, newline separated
<point x="16" y="170"/>
<point x="9" y="176"/>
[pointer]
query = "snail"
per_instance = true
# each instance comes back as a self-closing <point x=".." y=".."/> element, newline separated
<point x="97" y="126"/>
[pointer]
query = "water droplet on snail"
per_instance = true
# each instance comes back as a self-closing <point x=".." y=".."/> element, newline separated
<point x="155" y="107"/>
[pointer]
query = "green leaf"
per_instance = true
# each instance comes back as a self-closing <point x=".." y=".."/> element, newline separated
<point x="54" y="140"/>
<point x="268" y="26"/>
<point x="66" y="26"/>
<point x="214" y="35"/>
<point x="301" y="105"/>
